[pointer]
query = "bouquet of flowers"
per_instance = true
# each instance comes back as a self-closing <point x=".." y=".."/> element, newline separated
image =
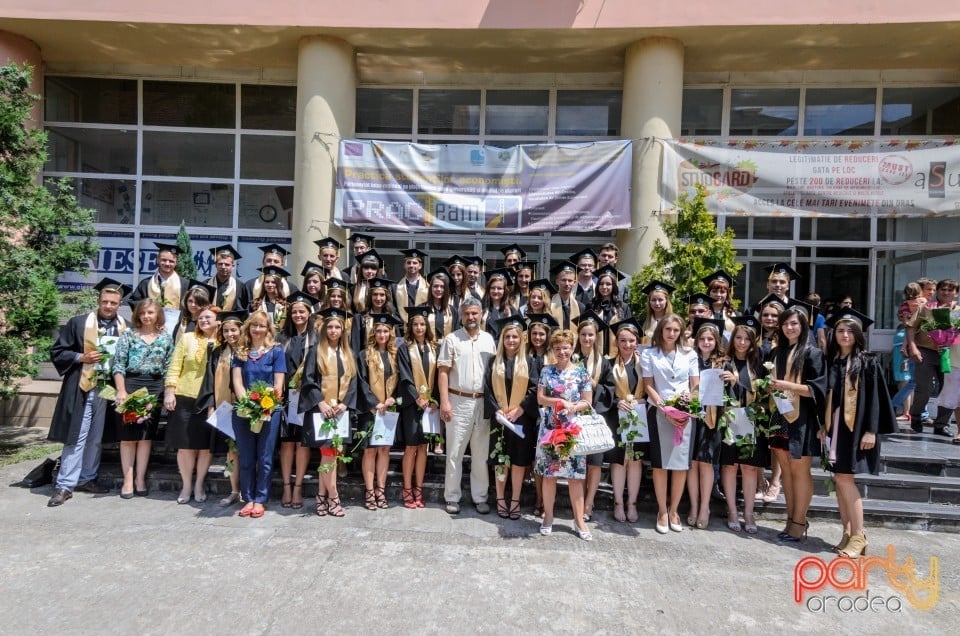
<point x="329" y="427"/>
<point x="629" y="425"/>
<point x="258" y="405"/>
<point x="680" y="408"/>
<point x="944" y="332"/>
<point x="559" y="441"/>
<point x="103" y="373"/>
<point x="137" y="408"/>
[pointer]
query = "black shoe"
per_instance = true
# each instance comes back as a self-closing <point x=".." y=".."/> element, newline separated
<point x="126" y="495"/>
<point x="717" y="494"/>
<point x="141" y="493"/>
<point x="93" y="487"/>
<point x="916" y="427"/>
<point x="59" y="497"/>
<point x="943" y="431"/>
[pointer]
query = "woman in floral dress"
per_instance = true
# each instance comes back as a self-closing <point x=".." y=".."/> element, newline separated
<point x="567" y="389"/>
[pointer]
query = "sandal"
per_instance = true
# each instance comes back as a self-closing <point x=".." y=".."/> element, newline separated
<point x="692" y="521"/>
<point x="802" y="538"/>
<point x="334" y="508"/>
<point x="772" y="493"/>
<point x="381" y="499"/>
<point x="297" y="502"/>
<point x="409" y="501"/>
<point x="733" y="522"/>
<point x="369" y="499"/>
<point x="514" y="509"/>
<point x="749" y="524"/>
<point x="418" y="496"/>
<point x="286" y="498"/>
<point x="703" y="523"/>
<point x="502" y="511"/>
<point x="632" y="515"/>
<point x="618" y="512"/>
<point x="322" y="506"/>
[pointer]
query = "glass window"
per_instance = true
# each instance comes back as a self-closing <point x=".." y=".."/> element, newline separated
<point x="113" y="200"/>
<point x="840" y="229"/>
<point x="198" y="204"/>
<point x="739" y="224"/>
<point x="268" y="107"/>
<point x="90" y="100"/>
<point x="91" y="150"/>
<point x="921" y="111"/>
<point x="517" y="112"/>
<point x="266" y="157"/>
<point x="702" y="111"/>
<point x="589" y="113"/>
<point x="764" y="111"/>
<point x="772" y="227"/>
<point x="189" y="104"/>
<point x="839" y="111"/>
<point x="266" y="207"/>
<point x="449" y="112"/>
<point x="181" y="154"/>
<point x="943" y="230"/>
<point x="384" y="111"/>
<point x="908" y="230"/>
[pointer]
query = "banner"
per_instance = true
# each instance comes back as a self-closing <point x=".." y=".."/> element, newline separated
<point x="848" y="178"/>
<point x="520" y="189"/>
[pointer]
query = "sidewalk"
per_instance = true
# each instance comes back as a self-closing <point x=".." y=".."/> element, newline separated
<point x="100" y="564"/>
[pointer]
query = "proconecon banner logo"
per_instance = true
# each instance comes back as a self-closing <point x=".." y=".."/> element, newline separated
<point x="813" y="577"/>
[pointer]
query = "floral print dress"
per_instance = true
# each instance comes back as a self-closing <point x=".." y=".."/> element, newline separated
<point x="569" y="385"/>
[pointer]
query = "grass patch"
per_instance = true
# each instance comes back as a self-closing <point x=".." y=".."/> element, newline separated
<point x="17" y="455"/>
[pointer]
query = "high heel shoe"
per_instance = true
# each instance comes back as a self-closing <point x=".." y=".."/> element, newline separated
<point x="322" y="506"/>
<point x="514" y="509"/>
<point x="381" y="499"/>
<point x="409" y="501"/>
<point x="749" y="524"/>
<point x="662" y="529"/>
<point x="803" y="537"/>
<point x="586" y="535"/>
<point x="772" y="493"/>
<point x="856" y="546"/>
<point x="230" y="499"/>
<point x="183" y="499"/>
<point x="369" y="499"/>
<point x="502" y="510"/>
<point x="287" y="497"/>
<point x="418" y="496"/>
<point x="733" y="522"/>
<point x="297" y="502"/>
<point x="334" y="508"/>
<point x="843" y="543"/>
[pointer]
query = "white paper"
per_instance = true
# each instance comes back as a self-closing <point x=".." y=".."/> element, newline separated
<point x="222" y="420"/>
<point x="384" y="429"/>
<point x="430" y="422"/>
<point x="517" y="430"/>
<point x="641" y="427"/>
<point x="741" y="424"/>
<point x="292" y="405"/>
<point x="711" y="387"/>
<point x="783" y="405"/>
<point x="342" y="430"/>
<point x="170" y="319"/>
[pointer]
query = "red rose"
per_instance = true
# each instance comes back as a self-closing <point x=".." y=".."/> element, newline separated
<point x="129" y="417"/>
<point x="254" y="396"/>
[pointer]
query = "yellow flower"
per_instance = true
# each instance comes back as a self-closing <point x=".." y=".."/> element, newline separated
<point x="267" y="402"/>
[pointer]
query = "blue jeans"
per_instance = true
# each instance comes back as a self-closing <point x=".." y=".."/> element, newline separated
<point x="901" y="396"/>
<point x="80" y="462"/>
<point x="256" y="457"/>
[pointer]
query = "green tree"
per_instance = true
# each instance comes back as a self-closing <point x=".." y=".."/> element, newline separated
<point x="185" y="265"/>
<point x="43" y="233"/>
<point x="695" y="249"/>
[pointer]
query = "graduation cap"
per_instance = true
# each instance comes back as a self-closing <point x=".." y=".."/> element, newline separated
<point x="584" y="252"/>
<point x="370" y="257"/>
<point x="610" y="270"/>
<point x="747" y="321"/>
<point x="440" y="272"/>
<point x="629" y="323"/>
<point x="698" y="299"/>
<point x="476" y="260"/>
<point x="300" y="297"/>
<point x="511" y="321"/>
<point x="699" y="323"/>
<point x="199" y="284"/>
<point x="591" y="316"/>
<point x="849" y="315"/>
<point x="658" y="285"/>
<point x="456" y="259"/>
<point x="543" y="319"/>
<point x="111" y="285"/>
<point x="782" y="268"/>
<point x="563" y="266"/>
<point x="718" y="275"/>
<point x="273" y="248"/>
<point x="531" y="265"/>
<point x="357" y="237"/>
<point x="513" y="248"/>
<point x="273" y="270"/>
<point x="808" y="310"/>
<point x="328" y="242"/>
<point x="422" y="310"/>
<point x="380" y="283"/>
<point x="335" y="283"/>
<point x="544" y="284"/>
<point x="224" y="250"/>
<point x="385" y="319"/>
<point x="309" y="267"/>
<point x="173" y="248"/>
<point x="500" y="272"/>
<point x="333" y="312"/>
<point x="772" y="299"/>
<point x="239" y="315"/>
<point x="414" y="253"/>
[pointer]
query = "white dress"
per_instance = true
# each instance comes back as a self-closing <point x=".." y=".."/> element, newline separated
<point x="671" y="374"/>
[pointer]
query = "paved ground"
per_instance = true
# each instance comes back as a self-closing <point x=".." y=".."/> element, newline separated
<point x="100" y="564"/>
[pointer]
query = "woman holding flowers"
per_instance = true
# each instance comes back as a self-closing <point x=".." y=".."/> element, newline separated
<point x="858" y="411"/>
<point x="259" y="368"/>
<point x="141" y="360"/>
<point x="187" y="429"/>
<point x="707" y="339"/>
<point x="297" y="337"/>
<point x="417" y="364"/>
<point x="510" y="392"/>
<point x="670" y="373"/>
<point x="564" y="391"/>
<point x="328" y="390"/>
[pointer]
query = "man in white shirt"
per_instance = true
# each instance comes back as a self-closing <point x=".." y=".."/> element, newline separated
<point x="464" y="354"/>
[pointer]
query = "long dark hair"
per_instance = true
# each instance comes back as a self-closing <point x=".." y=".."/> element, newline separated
<point x="616" y="304"/>
<point x="856" y="356"/>
<point x="803" y="342"/>
<point x="753" y="353"/>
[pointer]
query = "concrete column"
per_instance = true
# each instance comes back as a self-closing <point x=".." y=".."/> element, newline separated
<point x="19" y="50"/>
<point x="326" y="112"/>
<point x="652" y="95"/>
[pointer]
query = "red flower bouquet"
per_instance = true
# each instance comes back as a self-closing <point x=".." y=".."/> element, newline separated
<point x="559" y="441"/>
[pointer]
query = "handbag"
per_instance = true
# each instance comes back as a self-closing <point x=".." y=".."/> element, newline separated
<point x="594" y="437"/>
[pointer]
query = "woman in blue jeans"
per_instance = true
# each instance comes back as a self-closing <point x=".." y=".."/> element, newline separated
<point x="258" y="357"/>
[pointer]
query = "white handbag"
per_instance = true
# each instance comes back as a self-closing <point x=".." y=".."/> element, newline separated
<point x="595" y="436"/>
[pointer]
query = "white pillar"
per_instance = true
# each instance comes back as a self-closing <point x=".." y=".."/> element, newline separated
<point x="652" y="95"/>
<point x="326" y="112"/>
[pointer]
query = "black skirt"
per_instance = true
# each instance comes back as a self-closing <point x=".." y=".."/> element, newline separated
<point x="187" y="429"/>
<point x="147" y="431"/>
<point x="706" y="443"/>
<point x="520" y="450"/>
<point x="798" y="438"/>
<point x="618" y="454"/>
<point x="410" y="432"/>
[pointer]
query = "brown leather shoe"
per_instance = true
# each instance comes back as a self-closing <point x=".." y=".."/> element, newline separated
<point x="59" y="497"/>
<point x="93" y="487"/>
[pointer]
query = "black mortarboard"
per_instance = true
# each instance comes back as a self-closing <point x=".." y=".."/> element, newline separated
<point x="700" y="322"/>
<point x="563" y="266"/>
<point x="612" y="271"/>
<point x="511" y="321"/>
<point x="173" y="248"/>
<point x="440" y="272"/>
<point x="414" y="253"/>
<point x="385" y="319"/>
<point x="718" y="275"/>
<point x="476" y="260"/>
<point x="365" y="238"/>
<point x="531" y="265"/>
<point x="772" y="299"/>
<point x="273" y="248"/>
<point x="455" y="260"/>
<point x="747" y="321"/>
<point x="333" y="312"/>
<point x="658" y="285"/>
<point x="334" y="283"/>
<point x="371" y="256"/>
<point x="849" y="315"/>
<point x="809" y="310"/>
<point x="328" y="241"/>
<point x="543" y="319"/>
<point x="310" y="266"/>
<point x="629" y="323"/>
<point x="199" y="284"/>
<point x="591" y="316"/>
<point x="513" y="248"/>
<point x="380" y="283"/>
<point x="300" y="297"/>
<point x="273" y="270"/>
<point x="575" y="258"/>
<point x="421" y="310"/>
<point x="544" y="284"/>
<point x="782" y="268"/>
<point x="239" y="315"/>
<point x="501" y="272"/>
<point x="221" y="250"/>
<point x="698" y="299"/>
<point x="111" y="285"/>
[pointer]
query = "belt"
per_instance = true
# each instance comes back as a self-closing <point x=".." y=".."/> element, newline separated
<point x="473" y="396"/>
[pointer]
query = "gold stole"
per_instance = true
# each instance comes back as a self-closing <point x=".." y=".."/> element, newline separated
<point x="850" y="396"/>
<point x="258" y="287"/>
<point x="594" y="364"/>
<point x="221" y="377"/>
<point x="332" y="385"/>
<point x="360" y="297"/>
<point x="402" y="299"/>
<point x="649" y="326"/>
<point x="169" y="291"/>
<point x="556" y="309"/>
<point x="423" y="377"/>
<point x="792" y="416"/>
<point x="229" y="296"/>
<point x="447" y="322"/>
<point x="381" y="387"/>
<point x="333" y="273"/>
<point x="90" y="338"/>
<point x="520" y="380"/>
<point x="621" y="382"/>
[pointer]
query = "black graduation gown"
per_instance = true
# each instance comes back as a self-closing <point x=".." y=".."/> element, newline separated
<point x="295" y="350"/>
<point x="604" y="399"/>
<point x="800" y="437"/>
<point x="706" y="441"/>
<point x="874" y="414"/>
<point x="411" y="431"/>
<point x="206" y="399"/>
<point x="584" y="296"/>
<point x="367" y="400"/>
<point x="610" y="316"/>
<point x="730" y="453"/>
<point x="520" y="450"/>
<point x="242" y="301"/>
<point x="618" y="454"/>
<point x="492" y="316"/>
<point x="311" y="396"/>
<point x="143" y="290"/>
<point x="65" y="423"/>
